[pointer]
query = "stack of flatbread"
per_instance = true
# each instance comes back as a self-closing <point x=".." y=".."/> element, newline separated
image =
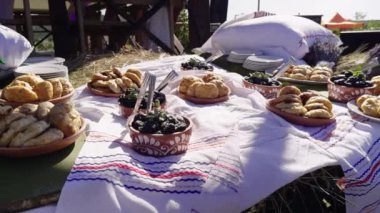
<point x="37" y="124"/>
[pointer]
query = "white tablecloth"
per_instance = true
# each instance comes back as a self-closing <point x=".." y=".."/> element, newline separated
<point x="239" y="154"/>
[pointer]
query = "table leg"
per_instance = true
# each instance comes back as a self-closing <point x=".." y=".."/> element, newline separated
<point x="28" y="21"/>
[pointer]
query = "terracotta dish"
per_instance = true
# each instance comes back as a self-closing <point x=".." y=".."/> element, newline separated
<point x="344" y="94"/>
<point x="267" y="91"/>
<point x="299" y="119"/>
<point x="54" y="101"/>
<point x="20" y="152"/>
<point x="159" y="145"/>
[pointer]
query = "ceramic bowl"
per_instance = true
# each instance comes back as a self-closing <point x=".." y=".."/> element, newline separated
<point x="127" y="111"/>
<point x="160" y="145"/>
<point x="267" y="91"/>
<point x="342" y="93"/>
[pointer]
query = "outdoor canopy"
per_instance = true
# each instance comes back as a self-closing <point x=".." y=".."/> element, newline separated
<point x="338" y="22"/>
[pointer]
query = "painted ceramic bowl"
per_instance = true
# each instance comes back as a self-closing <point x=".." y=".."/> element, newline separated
<point x="127" y="111"/>
<point x="267" y="91"/>
<point x="160" y="145"/>
<point x="342" y="93"/>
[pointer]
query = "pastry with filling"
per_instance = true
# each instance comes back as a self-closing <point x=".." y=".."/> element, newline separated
<point x="371" y="107"/>
<point x="5" y="110"/>
<point x="318" y="113"/>
<point x="44" y="90"/>
<point x="211" y="77"/>
<point x="19" y="94"/>
<point x="320" y="99"/>
<point x="30" y="132"/>
<point x="134" y="78"/>
<point x="48" y="136"/>
<point x="64" y="117"/>
<point x="31" y="79"/>
<point x="43" y="110"/>
<point x="7" y="120"/>
<point x="361" y="99"/>
<point x="207" y="91"/>
<point x="113" y="86"/>
<point x="15" y="127"/>
<point x="289" y="90"/>
<point x="186" y="82"/>
<point x="135" y="71"/>
<point x="67" y="88"/>
<point x="57" y="87"/>
<point x="312" y="106"/>
<point x="27" y="109"/>
<point x="292" y="108"/>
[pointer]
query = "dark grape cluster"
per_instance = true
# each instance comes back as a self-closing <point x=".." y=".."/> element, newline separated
<point x="159" y="122"/>
<point x="129" y="98"/>
<point x="351" y="79"/>
<point x="196" y="64"/>
<point x="261" y="78"/>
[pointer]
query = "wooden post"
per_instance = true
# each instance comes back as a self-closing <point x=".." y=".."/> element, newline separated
<point x="28" y="21"/>
<point x="199" y="22"/>
<point x="79" y="13"/>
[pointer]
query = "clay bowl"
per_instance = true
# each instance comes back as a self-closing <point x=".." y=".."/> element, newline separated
<point x="127" y="111"/>
<point x="160" y="145"/>
<point x="21" y="152"/>
<point x="62" y="99"/>
<point x="344" y="94"/>
<point x="267" y="91"/>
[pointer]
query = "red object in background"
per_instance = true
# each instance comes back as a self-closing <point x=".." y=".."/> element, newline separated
<point x="338" y="22"/>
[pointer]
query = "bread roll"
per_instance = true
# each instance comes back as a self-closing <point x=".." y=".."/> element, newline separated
<point x="27" y="109"/>
<point x="191" y="89"/>
<point x="44" y="90"/>
<point x="320" y="99"/>
<point x="305" y="96"/>
<point x="99" y="76"/>
<point x="99" y="83"/>
<point x="65" y="118"/>
<point x="19" y="94"/>
<point x="30" y="78"/>
<point x="135" y="71"/>
<point x="117" y="72"/>
<point x="318" y="113"/>
<point x="49" y="136"/>
<point x="128" y="82"/>
<point x="120" y="83"/>
<point x="67" y="88"/>
<point x="57" y="87"/>
<point x="361" y="99"/>
<point x="20" y="83"/>
<point x="186" y="82"/>
<point x="7" y="120"/>
<point x="113" y="86"/>
<point x="30" y="132"/>
<point x="5" y="110"/>
<point x="210" y="77"/>
<point x="313" y="106"/>
<point x="292" y="108"/>
<point x="289" y="90"/>
<point x="134" y="78"/>
<point x="43" y="110"/>
<point x="371" y="107"/>
<point x="15" y="127"/>
<point x="206" y="90"/>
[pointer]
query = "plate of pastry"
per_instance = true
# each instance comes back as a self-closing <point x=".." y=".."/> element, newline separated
<point x="113" y="82"/>
<point x="37" y="129"/>
<point x="207" y="89"/>
<point x="305" y="74"/>
<point x="367" y="106"/>
<point x="302" y="108"/>
<point x="33" y="89"/>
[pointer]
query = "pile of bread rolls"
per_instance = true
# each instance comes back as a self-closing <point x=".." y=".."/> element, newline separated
<point x="210" y="86"/>
<point x="376" y="81"/>
<point x="369" y="104"/>
<point x="307" y="104"/>
<point x="37" y="124"/>
<point x="306" y="72"/>
<point x="115" y="81"/>
<point x="30" y="88"/>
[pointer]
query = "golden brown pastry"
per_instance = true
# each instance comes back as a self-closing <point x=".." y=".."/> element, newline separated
<point x="321" y="72"/>
<point x="100" y="83"/>
<point x="44" y="90"/>
<point x="305" y="96"/>
<point x="120" y="83"/>
<point x="99" y="76"/>
<point x="371" y="107"/>
<point x="49" y="136"/>
<point x="289" y="90"/>
<point x="30" y="132"/>
<point x="376" y="81"/>
<point x="206" y="90"/>
<point x="19" y="94"/>
<point x="15" y="127"/>
<point x="312" y="106"/>
<point x="319" y="77"/>
<point x="67" y="88"/>
<point x="27" y="109"/>
<point x="222" y="87"/>
<point x="57" y="87"/>
<point x="135" y="71"/>
<point x="292" y="108"/>
<point x="117" y="72"/>
<point x="318" y="113"/>
<point x="134" y="78"/>
<point x="210" y="77"/>
<point x="20" y="83"/>
<point x="298" y="76"/>
<point x="113" y="86"/>
<point x="320" y="99"/>
<point x="186" y="82"/>
<point x="191" y="89"/>
<point x="7" y="120"/>
<point x="288" y="98"/>
<point x="128" y="82"/>
<point x="31" y="79"/>
<point x="43" y="110"/>
<point x="361" y="99"/>
<point x="65" y="118"/>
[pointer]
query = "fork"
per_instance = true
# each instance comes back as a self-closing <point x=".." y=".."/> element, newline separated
<point x="283" y="68"/>
<point x="173" y="74"/>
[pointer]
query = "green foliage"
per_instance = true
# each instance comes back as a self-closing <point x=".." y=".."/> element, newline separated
<point x="182" y="29"/>
<point x="372" y="25"/>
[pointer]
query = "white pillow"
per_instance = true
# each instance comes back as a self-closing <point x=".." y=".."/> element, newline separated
<point x="15" y="48"/>
<point x="294" y="34"/>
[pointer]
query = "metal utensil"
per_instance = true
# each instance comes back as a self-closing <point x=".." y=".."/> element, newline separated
<point x="152" y="85"/>
<point x="141" y="94"/>
<point x="173" y="74"/>
<point x="283" y="68"/>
